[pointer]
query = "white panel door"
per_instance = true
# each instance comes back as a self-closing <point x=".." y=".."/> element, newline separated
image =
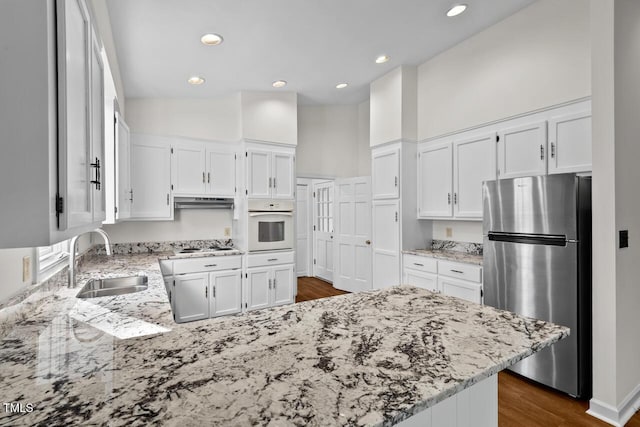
<point x="191" y="297"/>
<point x="435" y="190"/>
<point x="124" y="194"/>
<point x="150" y="178"/>
<point x="97" y="133"/>
<point x="302" y="230"/>
<point x="522" y="151"/>
<point x="226" y="292"/>
<point x="258" y="288"/>
<point x="352" y="270"/>
<point x="221" y="173"/>
<point x="188" y="164"/>
<point x="460" y="288"/>
<point x="76" y="172"/>
<point x="385" y="173"/>
<point x="282" y="176"/>
<point x="386" y="243"/>
<point x="323" y="230"/>
<point x="421" y="279"/>
<point x="570" y="143"/>
<point x="474" y="162"/>
<point x="283" y="282"/>
<point x="259" y="179"/>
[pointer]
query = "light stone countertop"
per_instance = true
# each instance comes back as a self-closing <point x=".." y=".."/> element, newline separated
<point x="447" y="255"/>
<point x="372" y="358"/>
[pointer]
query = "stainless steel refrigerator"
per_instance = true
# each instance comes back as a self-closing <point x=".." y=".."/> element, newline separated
<point x="537" y="263"/>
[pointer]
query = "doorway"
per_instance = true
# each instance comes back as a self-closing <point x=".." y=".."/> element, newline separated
<point x="304" y="236"/>
<point x="323" y="230"/>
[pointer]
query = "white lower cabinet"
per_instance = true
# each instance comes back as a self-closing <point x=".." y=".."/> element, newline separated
<point x="190" y="297"/>
<point x="270" y="279"/>
<point x="455" y="279"/>
<point x="386" y="243"/>
<point x="226" y="293"/>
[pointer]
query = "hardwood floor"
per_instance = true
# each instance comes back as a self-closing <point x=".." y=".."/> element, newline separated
<point x="522" y="403"/>
<point x="310" y="288"/>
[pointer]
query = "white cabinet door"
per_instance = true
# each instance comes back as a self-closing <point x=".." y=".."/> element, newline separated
<point x="124" y="195"/>
<point x="282" y="176"/>
<point x="259" y="180"/>
<point x="73" y="91"/>
<point x="191" y="297"/>
<point x="474" y="161"/>
<point x="570" y="143"/>
<point x="385" y="173"/>
<point x="258" y="288"/>
<point x="435" y="192"/>
<point x="221" y="172"/>
<point x="283" y="282"/>
<point x="460" y="288"/>
<point x="421" y="279"/>
<point x="188" y="164"/>
<point x="226" y="292"/>
<point x="150" y="178"/>
<point x="522" y="151"/>
<point x="386" y="243"/>
<point x="97" y="132"/>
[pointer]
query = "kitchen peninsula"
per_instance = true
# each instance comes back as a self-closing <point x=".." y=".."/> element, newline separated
<point x="372" y="358"/>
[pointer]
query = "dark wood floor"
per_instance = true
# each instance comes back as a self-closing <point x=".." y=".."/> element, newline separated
<point x="310" y="288"/>
<point x="521" y="403"/>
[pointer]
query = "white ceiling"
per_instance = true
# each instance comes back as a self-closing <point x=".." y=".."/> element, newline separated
<point x="312" y="44"/>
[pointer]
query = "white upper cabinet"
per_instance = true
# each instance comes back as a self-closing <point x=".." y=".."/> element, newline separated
<point x="474" y="161"/>
<point x="570" y="143"/>
<point x="435" y="192"/>
<point x="221" y="171"/>
<point x="270" y="174"/>
<point x="522" y="150"/>
<point x="385" y="174"/>
<point x="151" y="178"/>
<point x="97" y="132"/>
<point x="188" y="168"/>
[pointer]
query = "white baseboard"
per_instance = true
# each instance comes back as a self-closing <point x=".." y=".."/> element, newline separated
<point x="616" y="416"/>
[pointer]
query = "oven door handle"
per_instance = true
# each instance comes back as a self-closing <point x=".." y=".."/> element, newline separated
<point x="270" y="213"/>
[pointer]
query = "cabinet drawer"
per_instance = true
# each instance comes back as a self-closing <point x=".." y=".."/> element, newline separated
<point x="421" y="263"/>
<point x="458" y="270"/>
<point x="195" y="265"/>
<point x="270" y="258"/>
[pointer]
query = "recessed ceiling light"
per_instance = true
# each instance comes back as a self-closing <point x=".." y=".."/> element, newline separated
<point x="382" y="59"/>
<point x="341" y="85"/>
<point x="196" y="80"/>
<point x="211" y="39"/>
<point x="456" y="10"/>
<point x="279" y="83"/>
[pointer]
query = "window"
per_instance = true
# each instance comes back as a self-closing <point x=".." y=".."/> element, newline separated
<point x="52" y="258"/>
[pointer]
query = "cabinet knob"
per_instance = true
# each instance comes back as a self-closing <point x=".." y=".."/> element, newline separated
<point x="368" y="242"/>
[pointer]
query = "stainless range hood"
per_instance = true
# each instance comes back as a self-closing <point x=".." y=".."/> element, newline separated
<point x="202" y="203"/>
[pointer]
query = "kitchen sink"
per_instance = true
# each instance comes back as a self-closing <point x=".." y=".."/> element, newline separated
<point x="113" y="286"/>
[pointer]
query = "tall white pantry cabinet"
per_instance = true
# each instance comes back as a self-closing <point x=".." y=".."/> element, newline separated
<point x="395" y="226"/>
<point x="52" y="121"/>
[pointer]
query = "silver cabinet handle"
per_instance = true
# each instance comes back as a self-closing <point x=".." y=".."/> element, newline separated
<point x="455" y="198"/>
<point x="396" y="181"/>
<point x="167" y="199"/>
<point x="131" y="195"/>
<point x="203" y="177"/>
<point x="396" y="216"/>
<point x="272" y="259"/>
<point x="211" y="265"/>
<point x="206" y="292"/>
<point x="553" y="150"/>
<point x="457" y="271"/>
<point x="274" y="182"/>
<point x="269" y="283"/>
<point x="214" y="291"/>
<point x="448" y="198"/>
<point x="541" y="152"/>
<point x="418" y="264"/>
<point x="269" y="182"/>
<point x="274" y="283"/>
<point x="208" y="177"/>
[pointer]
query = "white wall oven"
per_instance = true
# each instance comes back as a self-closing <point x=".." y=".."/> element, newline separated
<point x="270" y="225"/>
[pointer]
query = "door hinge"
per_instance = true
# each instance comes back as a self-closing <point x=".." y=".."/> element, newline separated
<point x="314" y="194"/>
<point x="171" y="186"/>
<point x="59" y="205"/>
<point x="171" y="150"/>
<point x="246" y="275"/>
<point x="481" y="293"/>
<point x="174" y="283"/>
<point x="115" y="209"/>
<point x="246" y="192"/>
<point x="314" y="261"/>
<point x="246" y="154"/>
<point x="235" y="157"/>
<point x="245" y="305"/>
<point x="497" y="138"/>
<point x="314" y="228"/>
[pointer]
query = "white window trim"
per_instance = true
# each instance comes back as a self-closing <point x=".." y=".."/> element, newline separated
<point x="52" y="259"/>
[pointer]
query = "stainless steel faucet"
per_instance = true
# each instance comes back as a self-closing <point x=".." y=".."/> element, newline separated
<point x="72" y="254"/>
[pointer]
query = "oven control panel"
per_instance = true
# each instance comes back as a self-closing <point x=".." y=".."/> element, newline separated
<point x="270" y="205"/>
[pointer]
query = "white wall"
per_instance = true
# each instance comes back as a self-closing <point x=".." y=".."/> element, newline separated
<point x="535" y="58"/>
<point x="270" y="116"/>
<point x="461" y="231"/>
<point x="364" y="150"/>
<point x="328" y="141"/>
<point x="11" y="271"/>
<point x="393" y="106"/>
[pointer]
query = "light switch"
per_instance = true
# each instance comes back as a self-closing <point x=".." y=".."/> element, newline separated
<point x="26" y="268"/>
<point x="449" y="231"/>
<point x="227" y="232"/>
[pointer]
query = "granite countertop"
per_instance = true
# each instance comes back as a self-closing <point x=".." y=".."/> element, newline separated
<point x="372" y="358"/>
<point x="201" y="254"/>
<point x="447" y="255"/>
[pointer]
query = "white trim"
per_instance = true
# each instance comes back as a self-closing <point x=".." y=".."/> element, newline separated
<point x="616" y="416"/>
<point x="395" y="141"/>
<point x="274" y="143"/>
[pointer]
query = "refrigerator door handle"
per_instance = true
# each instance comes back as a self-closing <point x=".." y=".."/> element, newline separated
<point x="532" y="239"/>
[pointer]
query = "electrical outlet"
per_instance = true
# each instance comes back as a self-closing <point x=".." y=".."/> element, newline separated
<point x="26" y="268"/>
<point x="449" y="231"/>
<point x="227" y="232"/>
